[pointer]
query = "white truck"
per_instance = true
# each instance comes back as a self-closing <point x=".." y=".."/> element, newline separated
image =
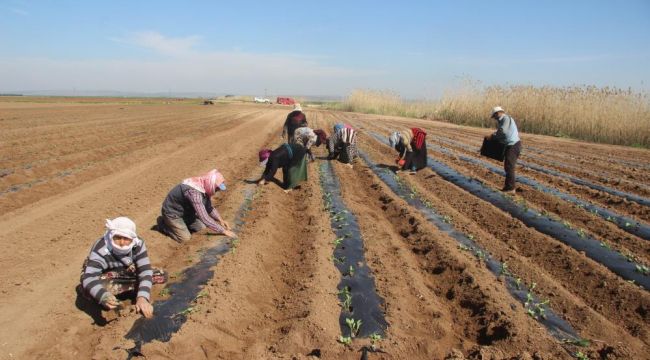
<point x="262" y="100"/>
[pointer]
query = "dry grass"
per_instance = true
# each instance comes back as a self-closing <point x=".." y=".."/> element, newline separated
<point x="606" y="115"/>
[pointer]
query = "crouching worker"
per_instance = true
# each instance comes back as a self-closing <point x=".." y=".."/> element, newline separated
<point x="291" y="158"/>
<point x="411" y="147"/>
<point x="307" y="137"/>
<point x="343" y="144"/>
<point x="188" y="208"/>
<point x="118" y="267"/>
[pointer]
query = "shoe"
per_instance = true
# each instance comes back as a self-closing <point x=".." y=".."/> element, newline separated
<point x="412" y="172"/>
<point x="509" y="191"/>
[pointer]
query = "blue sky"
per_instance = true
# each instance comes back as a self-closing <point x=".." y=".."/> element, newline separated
<point x="417" y="48"/>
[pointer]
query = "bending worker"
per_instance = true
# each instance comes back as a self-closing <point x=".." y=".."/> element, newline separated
<point x="188" y="208"/>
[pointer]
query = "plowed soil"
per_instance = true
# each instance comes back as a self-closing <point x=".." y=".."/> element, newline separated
<point x="67" y="166"/>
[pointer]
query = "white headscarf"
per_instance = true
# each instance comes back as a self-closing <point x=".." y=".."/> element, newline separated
<point x="394" y="138"/>
<point x="121" y="226"/>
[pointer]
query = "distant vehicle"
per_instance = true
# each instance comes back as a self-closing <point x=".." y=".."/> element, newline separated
<point x="285" y="101"/>
<point x="262" y="100"/>
<point x="208" y="102"/>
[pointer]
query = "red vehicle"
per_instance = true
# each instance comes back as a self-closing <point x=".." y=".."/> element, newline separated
<point x="285" y="101"/>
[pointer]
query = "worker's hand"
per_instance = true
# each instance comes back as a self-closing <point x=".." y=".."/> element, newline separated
<point x="229" y="233"/>
<point x="261" y="182"/>
<point x="109" y="301"/>
<point x="488" y="137"/>
<point x="144" y="307"/>
<point x="349" y="165"/>
<point x="225" y="224"/>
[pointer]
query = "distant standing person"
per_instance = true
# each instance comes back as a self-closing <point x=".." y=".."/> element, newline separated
<point x="291" y="158"/>
<point x="296" y="119"/>
<point x="118" y="265"/>
<point x="411" y="147"/>
<point x="508" y="135"/>
<point x="188" y="208"/>
<point x="343" y="144"/>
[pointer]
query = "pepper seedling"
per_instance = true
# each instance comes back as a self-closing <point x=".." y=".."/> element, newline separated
<point x="354" y="325"/>
<point x="345" y="340"/>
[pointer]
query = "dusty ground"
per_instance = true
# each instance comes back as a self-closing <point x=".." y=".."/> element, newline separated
<point x="67" y="166"/>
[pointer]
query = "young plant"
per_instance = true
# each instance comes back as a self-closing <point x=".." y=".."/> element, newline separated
<point x="374" y="339"/>
<point x="581" y="233"/>
<point x="577" y="342"/>
<point x="351" y="270"/>
<point x="354" y="325"/>
<point x="347" y="298"/>
<point x="347" y="302"/>
<point x="164" y="292"/>
<point x="504" y="270"/>
<point x="203" y="293"/>
<point x="642" y="269"/>
<point x="464" y="247"/>
<point x="233" y="245"/>
<point x="337" y="242"/>
<point x="345" y="340"/>
<point x="188" y="310"/>
<point x="581" y="356"/>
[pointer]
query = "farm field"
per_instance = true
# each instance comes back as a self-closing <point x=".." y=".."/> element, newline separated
<point x="558" y="271"/>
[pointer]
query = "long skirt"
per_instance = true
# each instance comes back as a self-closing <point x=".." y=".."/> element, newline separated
<point x="295" y="173"/>
<point x="416" y="159"/>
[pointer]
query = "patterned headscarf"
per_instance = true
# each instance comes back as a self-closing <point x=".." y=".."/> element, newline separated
<point x="394" y="138"/>
<point x="207" y="183"/>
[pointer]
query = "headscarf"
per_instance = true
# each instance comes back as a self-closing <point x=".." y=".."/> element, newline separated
<point x="419" y="136"/>
<point x="297" y="106"/>
<point x="394" y="138"/>
<point x="297" y="117"/>
<point x="338" y="127"/>
<point x="348" y="135"/>
<point x="207" y="183"/>
<point x="322" y="136"/>
<point x="264" y="156"/>
<point x="121" y="226"/>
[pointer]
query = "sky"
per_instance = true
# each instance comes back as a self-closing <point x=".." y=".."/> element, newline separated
<point x="419" y="49"/>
